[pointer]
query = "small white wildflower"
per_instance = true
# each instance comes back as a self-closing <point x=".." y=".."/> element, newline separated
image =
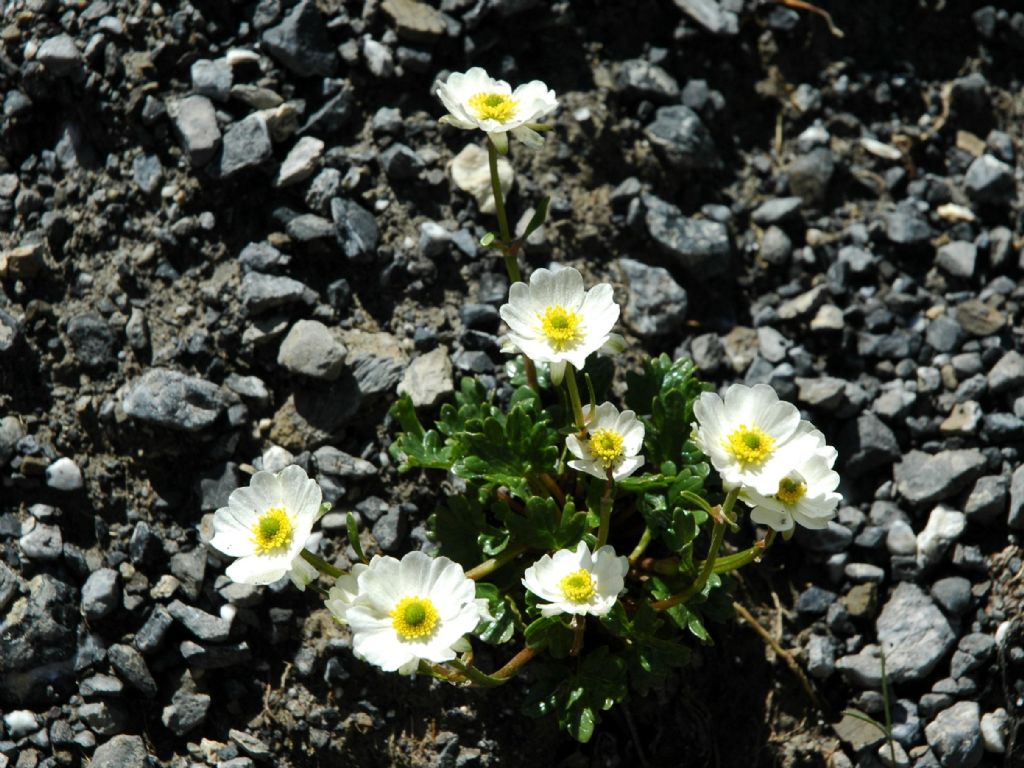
<point x="266" y="526"/>
<point x="342" y="595"/>
<point x="577" y="582"/>
<point x="554" y="320"/>
<point x="476" y="100"/>
<point x="742" y="433"/>
<point x="613" y="443"/>
<point x="806" y="494"/>
<point x="406" y="610"/>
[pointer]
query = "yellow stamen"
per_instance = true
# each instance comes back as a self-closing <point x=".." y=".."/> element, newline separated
<point x="560" y="326"/>
<point x="750" y="445"/>
<point x="414" y="618"/>
<point x="493" y="106"/>
<point x="606" y="445"/>
<point x="273" y="531"/>
<point x="791" y="490"/>
<point x="578" y="586"/>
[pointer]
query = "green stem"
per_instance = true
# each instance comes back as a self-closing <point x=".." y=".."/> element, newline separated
<point x="574" y="395"/>
<point x="487" y="567"/>
<point x="606" y="513"/>
<point x="751" y="555"/>
<point x="511" y="263"/>
<point x="717" y="536"/>
<point x="321" y="565"/>
<point x="476" y="677"/>
<point x="641" y="546"/>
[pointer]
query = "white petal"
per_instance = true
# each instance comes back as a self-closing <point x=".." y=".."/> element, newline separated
<point x="556" y="372"/>
<point x="589" y="467"/>
<point x="627" y="467"/>
<point x="528" y="136"/>
<point x="575" y="447"/>
<point x="256" y="569"/>
<point x="776" y="519"/>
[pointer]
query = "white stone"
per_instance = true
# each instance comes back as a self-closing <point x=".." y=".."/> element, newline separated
<point x="993" y="730"/>
<point x="471" y="173"/>
<point x="64" y="475"/>
<point x="945" y="525"/>
<point x="21" y="722"/>
<point x="302" y="160"/>
<point x="276" y="458"/>
<point x="428" y="378"/>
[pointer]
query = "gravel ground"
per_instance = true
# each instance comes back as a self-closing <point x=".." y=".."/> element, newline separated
<point x="229" y="234"/>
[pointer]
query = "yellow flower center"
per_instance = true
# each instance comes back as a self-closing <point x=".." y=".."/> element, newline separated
<point x="578" y="586"/>
<point x="493" y="106"/>
<point x="791" y="490"/>
<point x="560" y="326"/>
<point x="273" y="531"/>
<point x="606" y="445"/>
<point x="414" y="618"/>
<point x="750" y="445"/>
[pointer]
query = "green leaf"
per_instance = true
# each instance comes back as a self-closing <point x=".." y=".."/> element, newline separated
<point x="488" y="239"/>
<point x="464" y="532"/>
<point x="353" y="536"/>
<point x="542" y="525"/>
<point x="500" y="626"/>
<point x="538" y="218"/>
<point x="414" y="446"/>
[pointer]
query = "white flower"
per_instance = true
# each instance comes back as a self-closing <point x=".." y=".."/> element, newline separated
<point x="266" y="526"/>
<point x="342" y="595"/>
<point x="613" y="441"/>
<point x="416" y="608"/>
<point x="554" y="320"/>
<point x="577" y="582"/>
<point x="476" y="100"/>
<point x="806" y="494"/>
<point x="742" y="433"/>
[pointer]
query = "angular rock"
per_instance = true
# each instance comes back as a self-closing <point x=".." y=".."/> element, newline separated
<point x="311" y="349"/>
<point x="957" y="258"/>
<point x="914" y="634"/>
<point x="428" y="378"/>
<point x="415" y="21"/>
<point x="1007" y="375"/>
<point x="376" y="359"/>
<point x="978" y="318"/>
<point x="301" y="161"/>
<point x="300" y="42"/>
<point x="906" y="226"/>
<point x="867" y="444"/>
<point x="811" y="174"/>
<point x="701" y="247"/>
<point x="638" y="78"/>
<point x="60" y="55"/>
<point x="196" y="125"/>
<point x="120" y="752"/>
<point x="262" y="292"/>
<point x="171" y="399"/>
<point x="357" y="230"/>
<point x="212" y="78"/>
<point x="64" y="475"/>
<point x="989" y="181"/>
<point x="710" y="15"/>
<point x="657" y="303"/>
<point x="923" y="479"/>
<point x="945" y="526"/>
<point x="148" y="173"/>
<point x="101" y="594"/>
<point x="680" y="137"/>
<point x="1016" y="517"/>
<point x="92" y="341"/>
<point x="955" y="735"/>
<point x="132" y="668"/>
<point x="247" y="145"/>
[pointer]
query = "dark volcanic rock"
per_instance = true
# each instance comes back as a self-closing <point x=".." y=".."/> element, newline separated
<point x="923" y="479"/>
<point x="172" y="399"/>
<point x="678" y="134"/>
<point x="300" y="42"/>
<point x="914" y="634"/>
<point x="701" y="247"/>
<point x="93" y="342"/>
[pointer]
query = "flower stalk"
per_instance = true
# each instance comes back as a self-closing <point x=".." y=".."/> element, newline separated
<point x="487" y="567"/>
<point x="717" y="536"/>
<point x="574" y="398"/>
<point x="321" y="565"/>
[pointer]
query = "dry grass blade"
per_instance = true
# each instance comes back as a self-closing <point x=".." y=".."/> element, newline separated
<point x="800" y="5"/>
